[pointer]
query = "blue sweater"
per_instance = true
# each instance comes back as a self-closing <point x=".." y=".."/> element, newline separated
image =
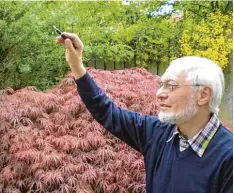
<point x="167" y="169"/>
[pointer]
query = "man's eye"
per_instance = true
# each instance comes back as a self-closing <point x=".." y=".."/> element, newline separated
<point x="171" y="86"/>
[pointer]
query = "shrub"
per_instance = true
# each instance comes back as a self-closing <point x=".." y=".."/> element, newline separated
<point x="49" y="142"/>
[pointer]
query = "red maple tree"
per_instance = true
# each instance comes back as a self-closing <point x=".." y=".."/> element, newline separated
<point x="49" y="142"/>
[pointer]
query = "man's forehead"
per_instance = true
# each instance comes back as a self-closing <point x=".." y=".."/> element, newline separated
<point x="167" y="79"/>
<point x="173" y="77"/>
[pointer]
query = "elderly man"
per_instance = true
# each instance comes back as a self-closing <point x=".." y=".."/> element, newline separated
<point x="186" y="148"/>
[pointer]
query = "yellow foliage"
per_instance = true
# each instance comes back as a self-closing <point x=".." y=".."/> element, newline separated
<point x="210" y="38"/>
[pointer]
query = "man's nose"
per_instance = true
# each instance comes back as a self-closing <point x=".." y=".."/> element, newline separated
<point x="161" y="94"/>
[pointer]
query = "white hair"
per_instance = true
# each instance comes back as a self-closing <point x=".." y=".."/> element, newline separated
<point x="200" y="71"/>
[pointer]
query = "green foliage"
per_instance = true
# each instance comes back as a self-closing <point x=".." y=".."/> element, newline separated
<point x="111" y="32"/>
<point x="211" y="38"/>
<point x="29" y="54"/>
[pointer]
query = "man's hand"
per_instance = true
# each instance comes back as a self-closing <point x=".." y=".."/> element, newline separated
<point x="74" y="50"/>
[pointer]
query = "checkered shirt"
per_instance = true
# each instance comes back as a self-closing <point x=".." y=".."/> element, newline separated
<point x="201" y="140"/>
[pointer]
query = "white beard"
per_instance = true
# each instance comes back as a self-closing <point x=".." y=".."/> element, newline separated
<point x="182" y="116"/>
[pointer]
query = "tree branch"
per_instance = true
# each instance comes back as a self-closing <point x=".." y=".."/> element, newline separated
<point x="202" y="6"/>
<point x="196" y="13"/>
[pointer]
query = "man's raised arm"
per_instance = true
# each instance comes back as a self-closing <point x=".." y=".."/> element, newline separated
<point x="129" y="126"/>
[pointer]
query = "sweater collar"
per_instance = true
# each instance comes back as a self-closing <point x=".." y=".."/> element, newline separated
<point x="201" y="140"/>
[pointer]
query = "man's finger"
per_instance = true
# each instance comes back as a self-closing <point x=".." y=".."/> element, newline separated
<point x="69" y="45"/>
<point x="74" y="39"/>
<point x="60" y="40"/>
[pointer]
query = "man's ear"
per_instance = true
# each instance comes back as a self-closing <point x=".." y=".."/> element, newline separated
<point x="204" y="95"/>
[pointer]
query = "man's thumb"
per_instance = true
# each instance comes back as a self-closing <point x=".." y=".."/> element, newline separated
<point x="69" y="45"/>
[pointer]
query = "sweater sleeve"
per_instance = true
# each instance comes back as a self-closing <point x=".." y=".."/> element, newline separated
<point x="227" y="177"/>
<point x="128" y="126"/>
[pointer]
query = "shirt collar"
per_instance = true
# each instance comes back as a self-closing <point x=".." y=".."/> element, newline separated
<point x="175" y="131"/>
<point x="201" y="140"/>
